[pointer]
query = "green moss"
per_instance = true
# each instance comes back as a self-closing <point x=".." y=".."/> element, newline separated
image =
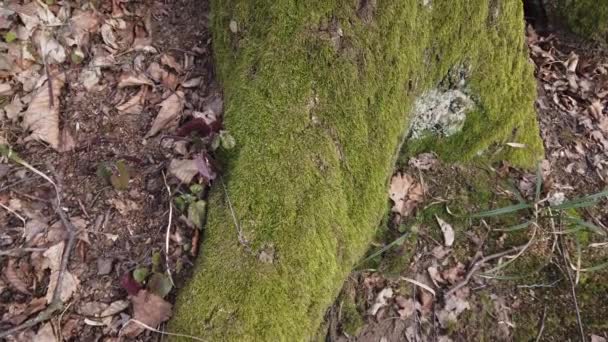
<point x="588" y="18"/>
<point x="352" y="320"/>
<point x="318" y="122"/>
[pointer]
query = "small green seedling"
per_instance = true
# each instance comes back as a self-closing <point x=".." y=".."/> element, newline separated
<point x="120" y="179"/>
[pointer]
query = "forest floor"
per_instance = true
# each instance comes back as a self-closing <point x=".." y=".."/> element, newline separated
<point x="492" y="253"/>
<point x="88" y="97"/>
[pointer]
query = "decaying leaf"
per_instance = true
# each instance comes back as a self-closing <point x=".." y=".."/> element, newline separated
<point x="129" y="79"/>
<point x="46" y="334"/>
<point x="455" y="304"/>
<point x="448" y="231"/>
<point x="183" y="169"/>
<point x="135" y="104"/>
<point x="406" y="193"/>
<point x="41" y="118"/>
<point x="406" y="307"/>
<point x="381" y="300"/>
<point x="149" y="309"/>
<point x="53" y="261"/>
<point x="168" y="114"/>
<point x="424" y="161"/>
<point x="170" y="61"/>
<point x="13" y="278"/>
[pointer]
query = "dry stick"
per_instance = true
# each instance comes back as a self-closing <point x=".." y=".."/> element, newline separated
<point x="167" y="235"/>
<point x="542" y="325"/>
<point x="478" y="264"/>
<point x="49" y="81"/>
<point x="572" y="286"/>
<point x="164" y="332"/>
<point x="239" y="231"/>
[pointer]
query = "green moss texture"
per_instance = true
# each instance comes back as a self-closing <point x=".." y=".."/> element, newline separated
<point x="588" y="18"/>
<point x="318" y="96"/>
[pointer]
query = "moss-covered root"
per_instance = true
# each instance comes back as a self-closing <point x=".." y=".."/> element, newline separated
<point x="317" y="96"/>
<point x="588" y="18"/>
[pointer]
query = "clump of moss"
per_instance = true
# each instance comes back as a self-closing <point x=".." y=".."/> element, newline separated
<point x="588" y="18"/>
<point x="318" y="100"/>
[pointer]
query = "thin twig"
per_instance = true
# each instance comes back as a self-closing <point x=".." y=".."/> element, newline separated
<point x="167" y="235"/>
<point x="239" y="231"/>
<point x="573" y="289"/>
<point x="542" y="325"/>
<point x="417" y="283"/>
<point x="163" y="332"/>
<point x="49" y="78"/>
<point x="21" y="218"/>
<point x="479" y="263"/>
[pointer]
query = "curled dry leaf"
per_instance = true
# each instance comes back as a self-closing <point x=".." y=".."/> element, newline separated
<point x="107" y="33"/>
<point x="149" y="309"/>
<point x="135" y="104"/>
<point x="406" y="193"/>
<point x="381" y="300"/>
<point x="130" y="78"/>
<point x="69" y="284"/>
<point x="183" y="169"/>
<point x="13" y="278"/>
<point x="168" y="114"/>
<point x="170" y="61"/>
<point x="156" y="72"/>
<point x="42" y="119"/>
<point x="406" y="307"/>
<point x="192" y="83"/>
<point x="448" y="231"/>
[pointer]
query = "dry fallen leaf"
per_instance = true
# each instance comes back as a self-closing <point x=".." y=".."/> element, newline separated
<point x="69" y="284"/>
<point x="149" y="309"/>
<point x="597" y="338"/>
<point x="406" y="307"/>
<point x="129" y="79"/>
<point x="156" y="72"/>
<point x="381" y="300"/>
<point x="424" y="161"/>
<point x="455" y="304"/>
<point x="135" y="104"/>
<point x="183" y="169"/>
<point x="13" y="277"/>
<point x="448" y="231"/>
<point x="46" y="334"/>
<point x="406" y="193"/>
<point x="170" y="61"/>
<point x="168" y="114"/>
<point x="41" y="118"/>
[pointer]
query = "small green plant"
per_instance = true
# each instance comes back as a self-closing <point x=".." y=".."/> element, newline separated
<point x="118" y="175"/>
<point x="192" y="205"/>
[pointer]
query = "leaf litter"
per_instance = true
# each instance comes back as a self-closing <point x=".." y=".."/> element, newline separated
<point x="89" y="83"/>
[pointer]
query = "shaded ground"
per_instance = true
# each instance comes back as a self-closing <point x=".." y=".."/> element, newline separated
<point x="123" y="63"/>
<point x="510" y="275"/>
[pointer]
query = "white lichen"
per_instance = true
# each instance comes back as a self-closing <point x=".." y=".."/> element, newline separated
<point x="440" y="112"/>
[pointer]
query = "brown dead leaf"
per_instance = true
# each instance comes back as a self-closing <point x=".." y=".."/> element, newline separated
<point x="41" y="118"/>
<point x="424" y="161"/>
<point x="603" y="125"/>
<point x="454" y="274"/>
<point x="183" y="169"/>
<point x="108" y="35"/>
<point x="12" y="276"/>
<point x="135" y="104"/>
<point x="129" y="79"/>
<point x="192" y="83"/>
<point x="381" y="300"/>
<point x="149" y="309"/>
<point x="406" y="193"/>
<point x="156" y="72"/>
<point x="597" y="338"/>
<point x="34" y="306"/>
<point x="448" y="231"/>
<point x="46" y="334"/>
<point x="69" y="284"/>
<point x="596" y="108"/>
<point x="82" y="23"/>
<point x="455" y="304"/>
<point x="170" y="61"/>
<point x="426" y="300"/>
<point x="406" y="307"/>
<point x="170" y="81"/>
<point x="168" y="114"/>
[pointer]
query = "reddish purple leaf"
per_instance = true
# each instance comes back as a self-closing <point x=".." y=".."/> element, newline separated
<point x="130" y="284"/>
<point x="205" y="166"/>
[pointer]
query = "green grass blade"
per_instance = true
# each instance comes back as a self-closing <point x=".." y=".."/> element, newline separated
<point x="582" y="202"/>
<point x="587" y="225"/>
<point x="385" y="248"/>
<point x="595" y="268"/>
<point x="502" y="211"/>
<point x="514" y="228"/>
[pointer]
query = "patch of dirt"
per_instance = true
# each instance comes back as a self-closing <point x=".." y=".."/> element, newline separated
<point x="128" y="66"/>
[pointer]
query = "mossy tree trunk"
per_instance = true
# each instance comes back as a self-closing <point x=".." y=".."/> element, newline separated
<point x="319" y="95"/>
<point x="587" y="18"/>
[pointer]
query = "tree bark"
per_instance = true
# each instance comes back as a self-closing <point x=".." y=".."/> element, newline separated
<point x="320" y="96"/>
